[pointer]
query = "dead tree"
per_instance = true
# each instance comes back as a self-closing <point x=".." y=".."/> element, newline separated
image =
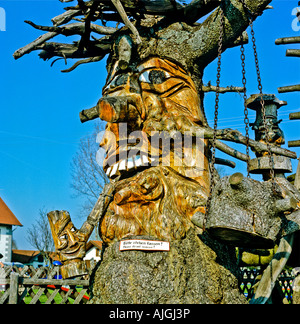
<point x="172" y="23"/>
<point x="158" y="51"/>
<point x="162" y="28"/>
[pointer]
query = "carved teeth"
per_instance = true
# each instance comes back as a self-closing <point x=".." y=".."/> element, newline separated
<point x="130" y="164"/>
<point x="122" y="165"/>
<point x="108" y="171"/>
<point x="114" y="170"/>
<point x="133" y="162"/>
<point x="138" y="161"/>
<point x="145" y="160"/>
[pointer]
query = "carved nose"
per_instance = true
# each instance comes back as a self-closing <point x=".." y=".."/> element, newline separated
<point x="121" y="108"/>
<point x="112" y="109"/>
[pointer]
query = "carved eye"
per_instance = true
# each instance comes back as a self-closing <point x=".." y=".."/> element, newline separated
<point x="121" y="79"/>
<point x="73" y="229"/>
<point x="154" y="76"/>
<point x="63" y="237"/>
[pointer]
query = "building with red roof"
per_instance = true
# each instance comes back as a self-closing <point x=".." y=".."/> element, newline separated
<point x="7" y="221"/>
<point x="93" y="250"/>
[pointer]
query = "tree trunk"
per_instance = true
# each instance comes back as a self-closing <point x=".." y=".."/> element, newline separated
<point x="197" y="270"/>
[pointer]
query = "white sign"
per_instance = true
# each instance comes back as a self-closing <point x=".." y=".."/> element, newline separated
<point x="145" y="245"/>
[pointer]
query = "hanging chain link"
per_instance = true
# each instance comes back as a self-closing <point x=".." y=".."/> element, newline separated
<point x="218" y="82"/>
<point x="262" y="102"/>
<point x="246" y="119"/>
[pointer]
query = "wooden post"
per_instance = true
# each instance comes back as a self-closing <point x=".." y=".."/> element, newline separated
<point x="294" y="143"/>
<point x="293" y="52"/>
<point x="294" y="116"/>
<point x="14" y="286"/>
<point x="287" y="40"/>
<point x="291" y="88"/>
<point x="270" y="275"/>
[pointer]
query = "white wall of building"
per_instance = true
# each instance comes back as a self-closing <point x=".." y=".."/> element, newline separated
<point x="92" y="254"/>
<point x="5" y="242"/>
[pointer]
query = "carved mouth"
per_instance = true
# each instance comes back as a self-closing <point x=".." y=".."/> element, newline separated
<point x="129" y="167"/>
<point x="73" y="251"/>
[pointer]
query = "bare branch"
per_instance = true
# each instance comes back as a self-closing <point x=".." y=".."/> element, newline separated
<point x="293" y="52"/>
<point x="95" y="49"/>
<point x="39" y="234"/>
<point x="235" y="136"/>
<point x="65" y="17"/>
<point x="291" y="88"/>
<point x="211" y="88"/>
<point x="32" y="46"/>
<point x="126" y="20"/>
<point x="74" y="29"/>
<point x="89" y="114"/>
<point x="200" y="42"/>
<point x="199" y="8"/>
<point x="230" y="151"/>
<point x="259" y="147"/>
<point x="294" y="143"/>
<point x="67" y="30"/>
<point x="288" y="40"/>
<point x="88" y="177"/>
<point x="171" y="9"/>
<point x="88" y="60"/>
<point x="161" y="7"/>
<point x="294" y="116"/>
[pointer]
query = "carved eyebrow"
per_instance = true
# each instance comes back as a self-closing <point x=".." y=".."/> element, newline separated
<point x="159" y="64"/>
<point x="169" y="74"/>
<point x="141" y="68"/>
<point x="63" y="225"/>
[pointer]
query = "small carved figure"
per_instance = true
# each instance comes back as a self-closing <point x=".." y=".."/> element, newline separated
<point x="69" y="243"/>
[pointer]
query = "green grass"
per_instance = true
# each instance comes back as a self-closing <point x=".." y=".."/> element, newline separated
<point x="44" y="298"/>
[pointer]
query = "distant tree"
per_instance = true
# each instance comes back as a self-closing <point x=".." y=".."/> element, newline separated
<point x="39" y="235"/>
<point x="88" y="176"/>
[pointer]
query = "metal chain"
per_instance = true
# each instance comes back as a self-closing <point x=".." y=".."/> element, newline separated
<point x="213" y="155"/>
<point x="246" y="120"/>
<point x="218" y="82"/>
<point x="262" y="102"/>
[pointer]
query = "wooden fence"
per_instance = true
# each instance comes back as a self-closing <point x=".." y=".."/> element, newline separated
<point x="40" y="286"/>
<point x="283" y="290"/>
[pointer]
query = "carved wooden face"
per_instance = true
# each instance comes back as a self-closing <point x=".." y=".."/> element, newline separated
<point x="161" y="187"/>
<point x="68" y="241"/>
<point x="146" y="108"/>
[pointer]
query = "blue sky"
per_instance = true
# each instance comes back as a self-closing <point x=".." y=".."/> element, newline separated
<point x="39" y="125"/>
